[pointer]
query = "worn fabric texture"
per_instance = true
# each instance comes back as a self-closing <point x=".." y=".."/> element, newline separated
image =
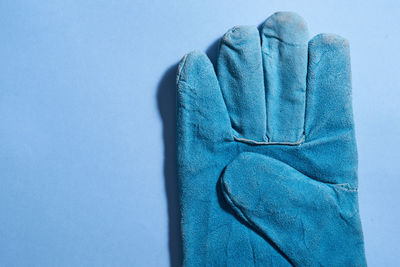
<point x="266" y="150"/>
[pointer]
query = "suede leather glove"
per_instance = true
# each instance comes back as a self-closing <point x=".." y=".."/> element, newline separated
<point x="266" y="150"/>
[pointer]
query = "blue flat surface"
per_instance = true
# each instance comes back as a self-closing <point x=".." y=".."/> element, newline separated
<point x="87" y="122"/>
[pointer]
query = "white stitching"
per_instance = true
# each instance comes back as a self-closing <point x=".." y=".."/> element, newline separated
<point x="252" y="142"/>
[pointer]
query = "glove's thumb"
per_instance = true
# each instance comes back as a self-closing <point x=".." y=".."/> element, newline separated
<point x="307" y="221"/>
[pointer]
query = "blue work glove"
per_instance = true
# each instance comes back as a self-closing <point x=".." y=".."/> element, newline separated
<point x="267" y="157"/>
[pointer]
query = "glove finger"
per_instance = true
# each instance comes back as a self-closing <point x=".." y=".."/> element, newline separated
<point x="201" y="111"/>
<point x="329" y="109"/>
<point x="308" y="221"/>
<point x="240" y="75"/>
<point x="284" y="49"/>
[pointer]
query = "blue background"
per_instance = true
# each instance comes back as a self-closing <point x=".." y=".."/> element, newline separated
<point x="87" y="122"/>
